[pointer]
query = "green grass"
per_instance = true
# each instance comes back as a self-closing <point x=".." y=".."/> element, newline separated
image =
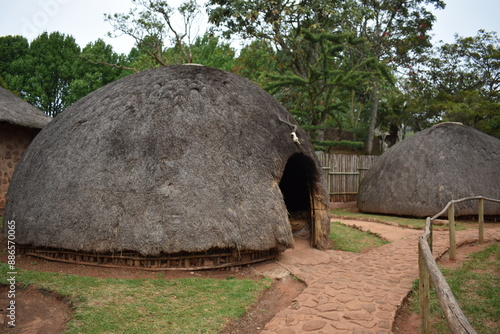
<point x="476" y="287"/>
<point x="187" y="305"/>
<point x="416" y="223"/>
<point x="349" y="239"/>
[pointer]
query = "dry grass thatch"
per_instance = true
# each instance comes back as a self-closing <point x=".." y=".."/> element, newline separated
<point x="421" y="174"/>
<point x="16" y="111"/>
<point x="174" y="159"/>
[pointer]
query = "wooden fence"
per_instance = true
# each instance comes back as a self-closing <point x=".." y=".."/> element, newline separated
<point x="430" y="273"/>
<point x="343" y="174"/>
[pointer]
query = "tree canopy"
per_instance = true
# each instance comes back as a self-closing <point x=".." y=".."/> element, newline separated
<point x="362" y="66"/>
<point x="330" y="49"/>
<point x="52" y="71"/>
<point x="461" y="83"/>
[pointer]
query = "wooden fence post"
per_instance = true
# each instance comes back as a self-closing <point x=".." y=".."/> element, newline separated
<point x="480" y="217"/>
<point x="451" y="225"/>
<point x="424" y="293"/>
<point x="431" y="236"/>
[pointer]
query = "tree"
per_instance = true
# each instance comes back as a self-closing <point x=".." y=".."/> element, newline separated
<point x="281" y="23"/>
<point x="12" y="48"/>
<point x="397" y="33"/>
<point x="462" y="82"/>
<point x="44" y="74"/>
<point x="207" y="50"/>
<point x="151" y="24"/>
<point x="307" y="47"/>
<point x="256" y="60"/>
<point x="320" y="43"/>
<point x="53" y="73"/>
<point x="141" y="60"/>
<point x="96" y="66"/>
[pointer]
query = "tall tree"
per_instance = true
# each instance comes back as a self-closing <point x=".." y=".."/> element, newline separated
<point x="206" y="50"/>
<point x="281" y="23"/>
<point x="210" y="50"/>
<point x="282" y="26"/>
<point x="319" y="42"/>
<point x="256" y="60"/>
<point x="44" y="74"/>
<point x="96" y="66"/>
<point x="152" y="24"/>
<point x="462" y="82"/>
<point x="398" y="34"/>
<point x="12" y="48"/>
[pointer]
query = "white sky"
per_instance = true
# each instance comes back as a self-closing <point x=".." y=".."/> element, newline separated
<point x="466" y="17"/>
<point x="84" y="19"/>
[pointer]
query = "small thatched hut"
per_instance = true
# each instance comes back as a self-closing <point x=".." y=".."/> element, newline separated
<point x="175" y="160"/>
<point x="420" y="175"/>
<point x="20" y="122"/>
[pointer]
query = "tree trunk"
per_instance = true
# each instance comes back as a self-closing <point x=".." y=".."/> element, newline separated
<point x="373" y="117"/>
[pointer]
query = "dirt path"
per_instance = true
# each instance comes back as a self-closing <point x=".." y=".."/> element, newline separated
<point x="37" y="311"/>
<point x="356" y="293"/>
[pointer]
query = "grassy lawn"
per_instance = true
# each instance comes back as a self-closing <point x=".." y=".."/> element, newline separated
<point x="416" y="223"/>
<point x="187" y="305"/>
<point x="349" y="239"/>
<point x="476" y="286"/>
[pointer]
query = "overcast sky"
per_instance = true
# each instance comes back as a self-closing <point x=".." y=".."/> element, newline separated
<point x="84" y="19"/>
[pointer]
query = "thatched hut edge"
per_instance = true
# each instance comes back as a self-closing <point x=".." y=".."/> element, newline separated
<point x="20" y="122"/>
<point x="168" y="161"/>
<point x="421" y="174"/>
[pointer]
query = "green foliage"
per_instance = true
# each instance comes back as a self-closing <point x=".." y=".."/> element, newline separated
<point x="462" y="83"/>
<point x="96" y="66"/>
<point x="397" y="35"/>
<point x="52" y="72"/>
<point x="12" y="48"/>
<point x="325" y="50"/>
<point x="302" y="54"/>
<point x="43" y="75"/>
<point x="344" y="145"/>
<point x="257" y="62"/>
<point x="187" y="305"/>
<point x="152" y="25"/>
<point x="207" y="50"/>
<point x="348" y="64"/>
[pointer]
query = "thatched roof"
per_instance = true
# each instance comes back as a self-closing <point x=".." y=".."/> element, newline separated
<point x="16" y="111"/>
<point x="174" y="159"/>
<point x="421" y="174"/>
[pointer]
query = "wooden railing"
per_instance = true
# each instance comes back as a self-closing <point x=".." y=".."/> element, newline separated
<point x="430" y="273"/>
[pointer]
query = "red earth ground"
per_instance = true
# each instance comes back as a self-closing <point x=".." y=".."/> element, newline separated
<point x="40" y="312"/>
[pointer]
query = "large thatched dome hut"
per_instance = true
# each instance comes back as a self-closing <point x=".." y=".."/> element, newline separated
<point x="173" y="163"/>
<point x="20" y="122"/>
<point x="421" y="174"/>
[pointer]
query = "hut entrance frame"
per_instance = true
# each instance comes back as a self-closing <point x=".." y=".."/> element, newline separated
<point x="297" y="187"/>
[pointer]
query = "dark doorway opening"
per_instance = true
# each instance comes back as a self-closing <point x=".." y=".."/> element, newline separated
<point x="297" y="185"/>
